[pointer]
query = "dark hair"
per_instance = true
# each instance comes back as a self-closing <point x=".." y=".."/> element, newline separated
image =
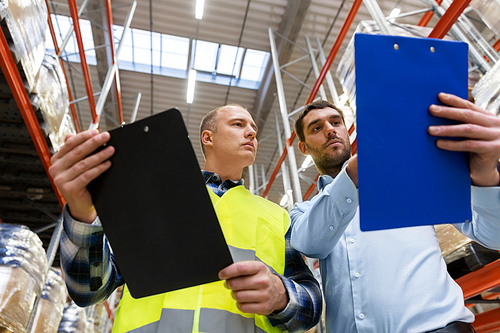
<point x="209" y="122"/>
<point x="322" y="104"/>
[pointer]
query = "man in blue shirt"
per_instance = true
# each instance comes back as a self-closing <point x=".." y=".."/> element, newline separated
<point x="391" y="280"/>
<point x="291" y="301"/>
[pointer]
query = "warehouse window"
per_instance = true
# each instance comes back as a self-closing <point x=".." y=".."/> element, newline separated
<point x="170" y="55"/>
<point x="62" y="24"/>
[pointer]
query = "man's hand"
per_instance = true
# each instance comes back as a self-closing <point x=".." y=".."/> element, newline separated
<point x="254" y="287"/>
<point x="481" y="137"/>
<point x="352" y="169"/>
<point x="73" y="169"/>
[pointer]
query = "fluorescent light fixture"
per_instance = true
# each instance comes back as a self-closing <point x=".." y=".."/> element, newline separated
<point x="190" y="90"/>
<point x="284" y="200"/>
<point x="306" y="162"/>
<point x="392" y="16"/>
<point x="200" y="4"/>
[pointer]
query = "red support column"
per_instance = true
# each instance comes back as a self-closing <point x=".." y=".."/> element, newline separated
<point x="83" y="60"/>
<point x="56" y="47"/>
<point x="16" y="85"/>
<point x="449" y="18"/>
<point x="314" y="92"/>
<point x="117" y="78"/>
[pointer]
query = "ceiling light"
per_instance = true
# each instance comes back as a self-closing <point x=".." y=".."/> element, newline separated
<point x="395" y="12"/>
<point x="190" y="89"/>
<point x="200" y="4"/>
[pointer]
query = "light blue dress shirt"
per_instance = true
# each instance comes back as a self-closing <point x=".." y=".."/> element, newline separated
<point x="388" y="280"/>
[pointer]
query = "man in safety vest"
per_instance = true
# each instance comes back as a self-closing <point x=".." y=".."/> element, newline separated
<point x="274" y="292"/>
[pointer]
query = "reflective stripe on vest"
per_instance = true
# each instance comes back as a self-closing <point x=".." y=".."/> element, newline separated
<point x="211" y="320"/>
<point x="254" y="229"/>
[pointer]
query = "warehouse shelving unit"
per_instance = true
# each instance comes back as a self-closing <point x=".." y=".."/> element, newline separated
<point x="27" y="190"/>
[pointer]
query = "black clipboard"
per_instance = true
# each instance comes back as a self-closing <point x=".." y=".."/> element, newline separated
<point x="155" y="209"/>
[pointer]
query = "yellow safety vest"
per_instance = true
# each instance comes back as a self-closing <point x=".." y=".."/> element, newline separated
<point x="254" y="229"/>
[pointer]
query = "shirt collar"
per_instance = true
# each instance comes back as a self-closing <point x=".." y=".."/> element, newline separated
<point x="211" y="177"/>
<point x="327" y="179"/>
<point x="323" y="181"/>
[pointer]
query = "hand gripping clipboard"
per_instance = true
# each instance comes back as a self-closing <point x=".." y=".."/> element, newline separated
<point x="404" y="179"/>
<point x="155" y="209"/>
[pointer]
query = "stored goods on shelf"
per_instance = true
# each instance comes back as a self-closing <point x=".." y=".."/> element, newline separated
<point x="22" y="274"/>
<point x="24" y="23"/>
<point x="50" y="308"/>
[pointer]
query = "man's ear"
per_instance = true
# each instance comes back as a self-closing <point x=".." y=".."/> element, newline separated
<point x="303" y="148"/>
<point x="206" y="138"/>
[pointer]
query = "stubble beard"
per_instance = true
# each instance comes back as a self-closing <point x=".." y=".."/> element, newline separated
<point x="330" y="163"/>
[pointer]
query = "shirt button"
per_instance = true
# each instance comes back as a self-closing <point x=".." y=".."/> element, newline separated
<point x="351" y="240"/>
<point x="349" y="200"/>
<point x="361" y="316"/>
<point x="330" y="227"/>
<point x="357" y="275"/>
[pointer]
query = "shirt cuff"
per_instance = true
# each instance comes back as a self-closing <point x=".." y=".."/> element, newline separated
<point x="487" y="197"/>
<point x="288" y="312"/>
<point x="343" y="191"/>
<point x="81" y="234"/>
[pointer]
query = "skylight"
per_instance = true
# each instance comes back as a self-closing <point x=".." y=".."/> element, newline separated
<point x="216" y="63"/>
<point x="62" y="26"/>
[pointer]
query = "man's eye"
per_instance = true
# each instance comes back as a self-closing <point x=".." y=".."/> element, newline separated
<point x="316" y="128"/>
<point x="237" y="124"/>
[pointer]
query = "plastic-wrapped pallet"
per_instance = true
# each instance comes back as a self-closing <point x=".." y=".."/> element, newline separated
<point x="22" y="274"/>
<point x="74" y="319"/>
<point x="489" y="11"/>
<point x="449" y="238"/>
<point x="24" y="23"/>
<point x="50" y="96"/>
<point x="487" y="91"/>
<point x="50" y="308"/>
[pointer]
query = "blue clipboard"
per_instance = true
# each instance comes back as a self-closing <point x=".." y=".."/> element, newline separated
<point x="404" y="179"/>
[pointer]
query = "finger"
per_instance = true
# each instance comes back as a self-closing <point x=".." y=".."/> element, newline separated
<point x="81" y="147"/>
<point x="89" y="163"/>
<point x="83" y="179"/>
<point x="473" y="146"/>
<point x="469" y="116"/>
<point x="455" y="101"/>
<point x="242" y="268"/>
<point x="470" y="131"/>
<point x="70" y="142"/>
<point x="249" y="296"/>
<point x="257" y="308"/>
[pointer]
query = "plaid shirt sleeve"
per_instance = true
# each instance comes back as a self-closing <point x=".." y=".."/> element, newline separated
<point x="305" y="305"/>
<point x="89" y="267"/>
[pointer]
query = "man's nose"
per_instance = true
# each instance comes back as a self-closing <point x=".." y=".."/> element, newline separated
<point x="251" y="132"/>
<point x="329" y="129"/>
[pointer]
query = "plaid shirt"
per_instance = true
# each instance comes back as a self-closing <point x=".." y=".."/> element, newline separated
<point x="92" y="275"/>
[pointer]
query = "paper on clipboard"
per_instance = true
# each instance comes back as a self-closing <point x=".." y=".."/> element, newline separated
<point x="404" y="179"/>
<point x="156" y="211"/>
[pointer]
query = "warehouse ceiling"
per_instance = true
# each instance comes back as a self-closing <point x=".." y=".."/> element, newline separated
<point x="236" y="23"/>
